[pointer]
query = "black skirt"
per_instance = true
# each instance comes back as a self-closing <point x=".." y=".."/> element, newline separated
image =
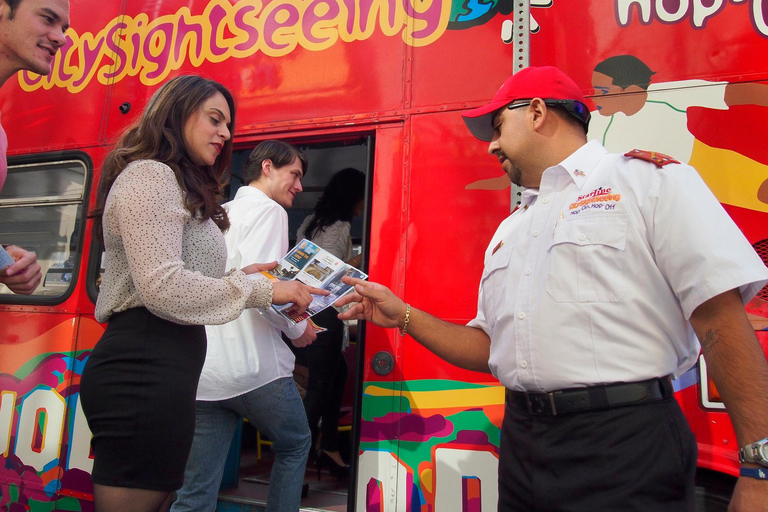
<point x="138" y="394"/>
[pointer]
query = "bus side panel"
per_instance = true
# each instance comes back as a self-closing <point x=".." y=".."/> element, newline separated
<point x="276" y="71"/>
<point x="35" y="377"/>
<point x="467" y="64"/>
<point x="386" y="252"/>
<point x="44" y="437"/>
<point x="39" y="107"/>
<point x="76" y="483"/>
<point x="450" y="223"/>
<point x="722" y="43"/>
<point x="377" y="468"/>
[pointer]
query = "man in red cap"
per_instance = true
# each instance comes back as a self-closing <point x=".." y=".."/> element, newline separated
<point x="588" y="304"/>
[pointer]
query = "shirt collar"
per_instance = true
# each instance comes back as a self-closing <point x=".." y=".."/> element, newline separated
<point x="528" y="196"/>
<point x="583" y="161"/>
<point x="247" y="190"/>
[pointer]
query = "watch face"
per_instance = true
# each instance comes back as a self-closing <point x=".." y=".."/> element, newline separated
<point x="762" y="453"/>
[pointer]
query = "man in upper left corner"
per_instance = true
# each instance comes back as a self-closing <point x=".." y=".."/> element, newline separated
<point x="31" y="32"/>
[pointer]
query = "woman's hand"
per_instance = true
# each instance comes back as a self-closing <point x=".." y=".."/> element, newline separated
<point x="295" y="292"/>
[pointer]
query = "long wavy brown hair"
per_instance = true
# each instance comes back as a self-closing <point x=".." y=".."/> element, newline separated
<point x="159" y="135"/>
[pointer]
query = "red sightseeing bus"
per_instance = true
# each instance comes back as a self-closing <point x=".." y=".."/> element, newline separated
<point x="378" y="85"/>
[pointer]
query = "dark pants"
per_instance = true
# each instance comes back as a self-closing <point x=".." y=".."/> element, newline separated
<point x="327" y="380"/>
<point x="635" y="458"/>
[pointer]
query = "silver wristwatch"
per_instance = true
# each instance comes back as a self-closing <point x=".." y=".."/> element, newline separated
<point x="756" y="453"/>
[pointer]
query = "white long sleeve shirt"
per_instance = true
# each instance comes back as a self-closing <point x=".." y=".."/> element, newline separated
<point x="248" y="352"/>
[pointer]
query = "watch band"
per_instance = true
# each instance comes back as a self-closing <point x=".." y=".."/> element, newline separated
<point x="759" y="473"/>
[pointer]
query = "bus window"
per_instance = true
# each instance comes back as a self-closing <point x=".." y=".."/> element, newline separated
<point x="41" y="207"/>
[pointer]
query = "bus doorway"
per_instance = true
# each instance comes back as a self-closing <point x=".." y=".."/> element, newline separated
<point x="245" y="485"/>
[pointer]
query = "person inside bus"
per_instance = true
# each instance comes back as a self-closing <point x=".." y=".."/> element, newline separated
<point x="594" y="292"/>
<point x="248" y="370"/>
<point x="31" y="32"/>
<point x="329" y="227"/>
<point x="158" y="214"/>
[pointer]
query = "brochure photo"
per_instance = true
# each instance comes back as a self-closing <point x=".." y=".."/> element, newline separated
<point x="313" y="266"/>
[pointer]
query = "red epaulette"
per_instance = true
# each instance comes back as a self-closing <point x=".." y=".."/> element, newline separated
<point x="659" y="159"/>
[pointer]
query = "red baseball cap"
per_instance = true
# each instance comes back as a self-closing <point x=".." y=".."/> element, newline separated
<point x="545" y="82"/>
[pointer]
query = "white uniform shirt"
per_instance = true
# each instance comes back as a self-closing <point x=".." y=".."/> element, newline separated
<point x="248" y="352"/>
<point x="593" y="279"/>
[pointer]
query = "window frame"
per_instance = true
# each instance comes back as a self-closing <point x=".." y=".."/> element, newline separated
<point x="46" y="159"/>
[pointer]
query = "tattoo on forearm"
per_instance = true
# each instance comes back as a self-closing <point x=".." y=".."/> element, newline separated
<point x="709" y="340"/>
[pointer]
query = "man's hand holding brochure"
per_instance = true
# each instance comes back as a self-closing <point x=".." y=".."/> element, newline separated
<point x="312" y="265"/>
<point x="19" y="270"/>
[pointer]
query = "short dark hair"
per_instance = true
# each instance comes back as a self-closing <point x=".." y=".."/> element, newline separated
<point x="278" y="152"/>
<point x="13" y="4"/>
<point x="626" y="70"/>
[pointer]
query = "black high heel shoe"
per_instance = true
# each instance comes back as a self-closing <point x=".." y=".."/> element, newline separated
<point x="323" y="459"/>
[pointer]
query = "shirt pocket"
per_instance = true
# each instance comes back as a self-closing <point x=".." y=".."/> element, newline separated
<point x="587" y="259"/>
<point x="493" y="283"/>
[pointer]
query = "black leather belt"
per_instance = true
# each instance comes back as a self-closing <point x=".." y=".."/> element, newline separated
<point x="591" y="398"/>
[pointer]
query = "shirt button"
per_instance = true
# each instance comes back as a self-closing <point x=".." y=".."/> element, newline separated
<point x="521" y="316"/>
<point x="524" y="364"/>
<point x="536" y="233"/>
<point x="528" y="272"/>
<point x="582" y="236"/>
<point x="545" y="200"/>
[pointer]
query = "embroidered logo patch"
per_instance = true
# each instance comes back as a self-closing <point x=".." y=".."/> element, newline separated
<point x="600" y="198"/>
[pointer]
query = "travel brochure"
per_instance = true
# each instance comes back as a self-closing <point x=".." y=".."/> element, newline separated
<point x="314" y="266"/>
<point x="5" y="259"/>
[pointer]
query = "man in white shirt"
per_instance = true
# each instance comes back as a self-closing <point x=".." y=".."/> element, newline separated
<point x="593" y="294"/>
<point x="31" y="32"/>
<point x="248" y="369"/>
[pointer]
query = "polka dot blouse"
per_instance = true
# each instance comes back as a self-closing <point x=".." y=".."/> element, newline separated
<point x="159" y="256"/>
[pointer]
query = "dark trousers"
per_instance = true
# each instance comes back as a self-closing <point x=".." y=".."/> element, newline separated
<point x="635" y="458"/>
<point x="327" y="380"/>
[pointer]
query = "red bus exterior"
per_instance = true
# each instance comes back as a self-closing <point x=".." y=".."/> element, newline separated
<point x="397" y="73"/>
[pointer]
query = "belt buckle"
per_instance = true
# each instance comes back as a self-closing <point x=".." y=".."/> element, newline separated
<point x="540" y="403"/>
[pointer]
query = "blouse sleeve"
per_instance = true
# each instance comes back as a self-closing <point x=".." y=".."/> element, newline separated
<point x="151" y="219"/>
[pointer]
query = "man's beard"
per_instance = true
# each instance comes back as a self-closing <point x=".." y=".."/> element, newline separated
<point x="514" y="173"/>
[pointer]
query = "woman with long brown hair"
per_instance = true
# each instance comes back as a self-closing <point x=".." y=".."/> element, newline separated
<point x="159" y="217"/>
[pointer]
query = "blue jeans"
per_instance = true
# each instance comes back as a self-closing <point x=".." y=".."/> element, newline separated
<point x="277" y="411"/>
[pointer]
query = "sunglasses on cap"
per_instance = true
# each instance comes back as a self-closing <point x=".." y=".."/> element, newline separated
<point x="576" y="108"/>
